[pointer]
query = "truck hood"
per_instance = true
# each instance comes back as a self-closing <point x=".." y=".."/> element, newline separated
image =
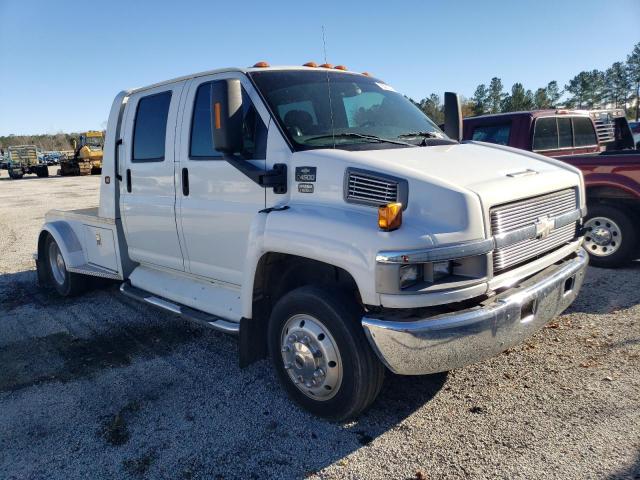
<point x="451" y="187"/>
<point x="497" y="175"/>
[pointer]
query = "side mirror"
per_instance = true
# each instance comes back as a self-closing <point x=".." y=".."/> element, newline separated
<point x="452" y="116"/>
<point x="226" y="116"/>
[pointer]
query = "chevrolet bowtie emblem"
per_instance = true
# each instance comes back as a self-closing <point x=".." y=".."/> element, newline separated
<point x="544" y="226"/>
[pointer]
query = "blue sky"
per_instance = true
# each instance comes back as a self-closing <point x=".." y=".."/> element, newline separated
<point x="62" y="62"/>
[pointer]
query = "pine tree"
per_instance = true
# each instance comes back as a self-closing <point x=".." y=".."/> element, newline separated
<point x="480" y="99"/>
<point x="633" y="74"/>
<point x="518" y="100"/>
<point x="553" y="93"/>
<point x="496" y="95"/>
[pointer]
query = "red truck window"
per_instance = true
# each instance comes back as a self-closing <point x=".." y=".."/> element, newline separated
<point x="493" y="133"/>
<point x="552" y="133"/>
<point x="584" y="133"/>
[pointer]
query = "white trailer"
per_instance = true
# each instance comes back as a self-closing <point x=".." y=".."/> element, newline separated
<point x="322" y="218"/>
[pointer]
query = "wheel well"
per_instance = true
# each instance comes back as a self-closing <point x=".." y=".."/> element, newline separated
<point x="276" y="275"/>
<point x="615" y="197"/>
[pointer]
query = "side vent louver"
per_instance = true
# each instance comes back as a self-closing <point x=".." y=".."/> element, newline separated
<point x="372" y="188"/>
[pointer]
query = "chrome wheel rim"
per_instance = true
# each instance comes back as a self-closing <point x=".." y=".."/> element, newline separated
<point x="603" y="236"/>
<point x="311" y="357"/>
<point x="56" y="264"/>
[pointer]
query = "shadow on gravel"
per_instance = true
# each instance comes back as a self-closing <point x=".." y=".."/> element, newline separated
<point x="119" y="388"/>
<point x="632" y="473"/>
<point x="595" y="296"/>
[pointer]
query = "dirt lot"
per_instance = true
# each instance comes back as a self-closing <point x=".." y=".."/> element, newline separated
<point x="101" y="387"/>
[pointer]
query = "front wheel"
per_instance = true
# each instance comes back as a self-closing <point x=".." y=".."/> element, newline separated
<point x="321" y="355"/>
<point x="611" y="237"/>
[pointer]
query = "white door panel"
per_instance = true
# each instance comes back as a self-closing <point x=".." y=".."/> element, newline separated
<point x="148" y="210"/>
<point x="216" y="216"/>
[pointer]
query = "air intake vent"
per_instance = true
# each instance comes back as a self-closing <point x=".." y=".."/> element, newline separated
<point x="370" y="188"/>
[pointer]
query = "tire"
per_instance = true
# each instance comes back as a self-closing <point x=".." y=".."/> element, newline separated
<point x="611" y="237"/>
<point x="328" y="338"/>
<point x="42" y="172"/>
<point x="66" y="283"/>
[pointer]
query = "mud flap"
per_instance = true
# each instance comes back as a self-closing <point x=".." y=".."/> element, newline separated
<point x="252" y="341"/>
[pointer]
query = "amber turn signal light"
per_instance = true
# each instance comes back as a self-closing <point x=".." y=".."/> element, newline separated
<point x="390" y="216"/>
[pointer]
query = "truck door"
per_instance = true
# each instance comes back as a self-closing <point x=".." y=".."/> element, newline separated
<point x="147" y="189"/>
<point x="217" y="203"/>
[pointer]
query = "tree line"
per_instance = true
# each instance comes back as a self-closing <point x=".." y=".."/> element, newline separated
<point x="55" y="142"/>
<point x="618" y="86"/>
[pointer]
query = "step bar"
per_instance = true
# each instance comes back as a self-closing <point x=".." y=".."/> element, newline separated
<point x="188" y="313"/>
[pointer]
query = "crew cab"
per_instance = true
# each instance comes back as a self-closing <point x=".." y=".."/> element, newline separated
<point x="321" y="217"/>
<point x="601" y="145"/>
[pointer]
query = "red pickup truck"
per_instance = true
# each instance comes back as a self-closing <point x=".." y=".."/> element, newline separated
<point x="609" y="162"/>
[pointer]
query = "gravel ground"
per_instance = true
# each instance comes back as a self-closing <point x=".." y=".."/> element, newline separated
<point x="102" y="387"/>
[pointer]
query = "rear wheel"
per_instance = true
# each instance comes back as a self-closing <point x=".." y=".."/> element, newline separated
<point x="611" y="237"/>
<point x="65" y="282"/>
<point x="321" y="355"/>
<point x="42" y="171"/>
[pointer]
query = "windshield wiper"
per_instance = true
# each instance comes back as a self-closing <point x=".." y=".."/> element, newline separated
<point x="363" y="136"/>
<point x="419" y="134"/>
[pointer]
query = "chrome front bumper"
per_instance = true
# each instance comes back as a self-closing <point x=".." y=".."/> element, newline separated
<point x="444" y="342"/>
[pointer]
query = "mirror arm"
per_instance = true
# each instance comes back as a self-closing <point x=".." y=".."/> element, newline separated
<point x="275" y="178"/>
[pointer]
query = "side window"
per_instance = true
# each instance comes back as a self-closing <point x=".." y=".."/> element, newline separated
<point x="493" y="133"/>
<point x="150" y="128"/>
<point x="565" y="133"/>
<point x="545" y="134"/>
<point x="253" y="128"/>
<point x="583" y="132"/>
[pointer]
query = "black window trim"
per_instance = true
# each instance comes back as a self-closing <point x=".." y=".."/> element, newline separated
<point x="200" y="158"/>
<point x="197" y="158"/>
<point x="508" y="122"/>
<point x="573" y="134"/>
<point x="135" y="121"/>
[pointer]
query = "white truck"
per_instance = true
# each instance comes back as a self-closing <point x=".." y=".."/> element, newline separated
<point x="325" y="220"/>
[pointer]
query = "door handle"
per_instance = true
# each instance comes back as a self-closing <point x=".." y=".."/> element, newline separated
<point x="185" y="182"/>
<point x="129" y="180"/>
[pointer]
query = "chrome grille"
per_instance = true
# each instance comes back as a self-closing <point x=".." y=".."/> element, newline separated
<point x="370" y="189"/>
<point x="523" y="213"/>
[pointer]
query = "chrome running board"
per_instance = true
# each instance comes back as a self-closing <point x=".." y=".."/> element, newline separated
<point x="188" y="313"/>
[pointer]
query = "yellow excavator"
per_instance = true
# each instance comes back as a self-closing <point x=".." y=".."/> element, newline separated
<point x="87" y="155"/>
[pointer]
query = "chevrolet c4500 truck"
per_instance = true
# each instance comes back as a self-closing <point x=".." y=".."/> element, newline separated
<point x="322" y="218"/>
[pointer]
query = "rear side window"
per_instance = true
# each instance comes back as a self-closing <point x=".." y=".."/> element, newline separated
<point x="583" y="131"/>
<point x="150" y="128"/>
<point x="545" y="134"/>
<point x="253" y="128"/>
<point x="565" y="133"/>
<point x="493" y="133"/>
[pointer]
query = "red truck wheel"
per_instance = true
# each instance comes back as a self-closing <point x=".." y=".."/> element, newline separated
<point x="610" y="237"/>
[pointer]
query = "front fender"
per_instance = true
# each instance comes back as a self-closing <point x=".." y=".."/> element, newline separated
<point x="343" y="237"/>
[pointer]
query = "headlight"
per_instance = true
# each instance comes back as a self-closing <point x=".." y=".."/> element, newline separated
<point x="410" y="275"/>
<point x="437" y="271"/>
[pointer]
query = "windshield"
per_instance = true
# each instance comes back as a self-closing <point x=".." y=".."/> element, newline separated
<point x="93" y="141"/>
<point x="362" y="110"/>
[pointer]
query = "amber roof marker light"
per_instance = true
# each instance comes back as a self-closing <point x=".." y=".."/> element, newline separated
<point x="340" y="67"/>
<point x="326" y="65"/>
<point x="261" y="65"/>
<point x="310" y="64"/>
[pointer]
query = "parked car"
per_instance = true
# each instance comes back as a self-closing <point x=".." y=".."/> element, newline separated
<point x="321" y="217"/>
<point x="612" y="175"/>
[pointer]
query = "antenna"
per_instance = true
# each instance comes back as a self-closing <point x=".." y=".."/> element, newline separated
<point x="324" y="48"/>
